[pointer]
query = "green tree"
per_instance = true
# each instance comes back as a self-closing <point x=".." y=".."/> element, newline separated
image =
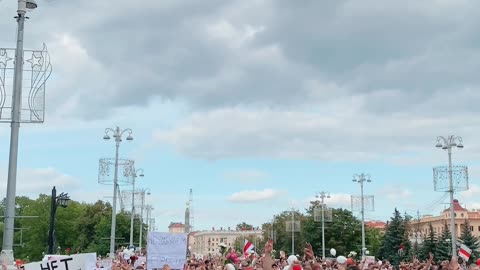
<point x="374" y="239"/>
<point x="394" y="239"/>
<point x="470" y="240"/>
<point x="81" y="227"/>
<point x="283" y="239"/>
<point x="430" y="242"/>
<point x="406" y="253"/>
<point x="443" y="246"/>
<point x="343" y="233"/>
<point x="244" y="226"/>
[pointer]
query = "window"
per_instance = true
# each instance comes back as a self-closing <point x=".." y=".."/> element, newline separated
<point x="479" y="228"/>
<point x="471" y="228"/>
<point x="462" y="215"/>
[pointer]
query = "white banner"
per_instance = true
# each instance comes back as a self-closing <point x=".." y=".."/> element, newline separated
<point x="85" y="261"/>
<point x="166" y="248"/>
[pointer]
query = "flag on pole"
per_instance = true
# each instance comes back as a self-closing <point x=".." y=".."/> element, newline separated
<point x="247" y="248"/>
<point x="464" y="252"/>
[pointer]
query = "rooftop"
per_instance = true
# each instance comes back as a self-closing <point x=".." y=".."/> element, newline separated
<point x="456" y="207"/>
<point x="176" y="225"/>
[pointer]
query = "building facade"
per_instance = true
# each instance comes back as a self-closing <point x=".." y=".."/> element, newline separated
<point x="420" y="227"/>
<point x="376" y="224"/>
<point x="176" y="227"/>
<point x="207" y="242"/>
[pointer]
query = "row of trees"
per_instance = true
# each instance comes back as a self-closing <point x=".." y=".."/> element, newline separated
<point x="343" y="233"/>
<point x="80" y="227"/>
<point x="396" y="245"/>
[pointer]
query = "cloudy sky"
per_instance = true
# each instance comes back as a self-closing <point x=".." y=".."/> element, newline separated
<point x="254" y="104"/>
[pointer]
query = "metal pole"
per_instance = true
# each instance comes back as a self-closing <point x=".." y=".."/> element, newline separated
<point x="141" y="222"/>
<point x="53" y="210"/>
<point x="362" y="179"/>
<point x="148" y="216"/>
<point x="133" y="209"/>
<point x="9" y="227"/>
<point x="452" y="209"/>
<point x="293" y="232"/>
<point x="115" y="187"/>
<point x="323" y="226"/>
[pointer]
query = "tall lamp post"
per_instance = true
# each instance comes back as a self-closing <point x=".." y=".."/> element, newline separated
<point x="362" y="178"/>
<point x="143" y="192"/>
<point x="8" y="232"/>
<point x="322" y="195"/>
<point x="136" y="173"/>
<point x="60" y="200"/>
<point x="117" y="133"/>
<point x="447" y="143"/>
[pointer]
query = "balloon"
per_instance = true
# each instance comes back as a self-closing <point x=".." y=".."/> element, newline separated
<point x="291" y="259"/>
<point x="349" y="261"/>
<point x="333" y="252"/>
<point x="478" y="262"/>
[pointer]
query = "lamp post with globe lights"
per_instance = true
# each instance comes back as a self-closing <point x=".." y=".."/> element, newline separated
<point x="361" y="179"/>
<point x="143" y="193"/>
<point x="447" y="143"/>
<point x="117" y="133"/>
<point x="136" y="173"/>
<point x="322" y="195"/>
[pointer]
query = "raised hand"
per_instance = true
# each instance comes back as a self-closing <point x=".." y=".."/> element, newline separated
<point x="269" y="246"/>
<point x="308" y="251"/>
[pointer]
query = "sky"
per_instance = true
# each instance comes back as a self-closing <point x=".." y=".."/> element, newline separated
<point x="256" y="105"/>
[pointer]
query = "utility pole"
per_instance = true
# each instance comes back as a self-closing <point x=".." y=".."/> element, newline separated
<point x="293" y="232"/>
<point x="361" y="178"/>
<point x="447" y="143"/>
<point x="322" y="195"/>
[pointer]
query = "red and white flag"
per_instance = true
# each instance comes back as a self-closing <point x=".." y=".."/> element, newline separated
<point x="247" y="248"/>
<point x="464" y="252"/>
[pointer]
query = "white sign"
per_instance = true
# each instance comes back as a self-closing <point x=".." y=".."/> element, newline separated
<point x="85" y="261"/>
<point x="166" y="248"/>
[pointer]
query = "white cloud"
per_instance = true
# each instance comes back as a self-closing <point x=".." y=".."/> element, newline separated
<point x="251" y="196"/>
<point x="246" y="176"/>
<point x="395" y="193"/>
<point x="339" y="200"/>
<point x="336" y="200"/>
<point x="34" y="181"/>
<point x="348" y="135"/>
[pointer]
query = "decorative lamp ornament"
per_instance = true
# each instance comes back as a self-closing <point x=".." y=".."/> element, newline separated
<point x="333" y="252"/>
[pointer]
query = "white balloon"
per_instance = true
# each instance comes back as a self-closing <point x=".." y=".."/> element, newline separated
<point x="291" y="259"/>
<point x="333" y="252"/>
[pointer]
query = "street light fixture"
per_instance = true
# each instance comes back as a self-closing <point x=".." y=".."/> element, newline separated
<point x="9" y="221"/>
<point x="322" y="195"/>
<point x="135" y="174"/>
<point x="60" y="200"/>
<point x="117" y="133"/>
<point x="143" y="192"/>
<point x="361" y="178"/>
<point x="447" y="143"/>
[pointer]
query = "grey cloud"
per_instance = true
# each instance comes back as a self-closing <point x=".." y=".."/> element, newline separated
<point x="387" y="57"/>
